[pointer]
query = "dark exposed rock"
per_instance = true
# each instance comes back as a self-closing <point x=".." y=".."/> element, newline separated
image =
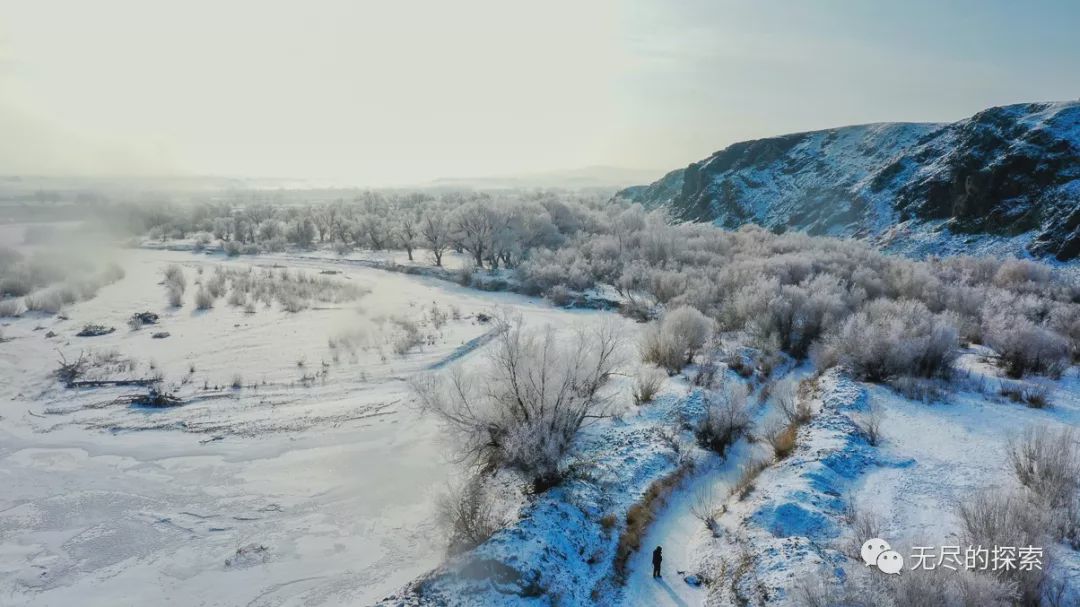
<point x="93" y="330"/>
<point x="139" y="319"/>
<point x="1006" y="171"/>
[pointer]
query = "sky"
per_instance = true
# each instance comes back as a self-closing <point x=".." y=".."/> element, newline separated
<point x="374" y="93"/>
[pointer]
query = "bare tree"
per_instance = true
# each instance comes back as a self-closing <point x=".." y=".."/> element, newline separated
<point x="525" y="410"/>
<point x="436" y="235"/>
<point x="408" y="229"/>
<point x="476" y="225"/>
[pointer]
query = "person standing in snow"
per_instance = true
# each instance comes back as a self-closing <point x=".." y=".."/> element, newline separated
<point x="657" y="558"/>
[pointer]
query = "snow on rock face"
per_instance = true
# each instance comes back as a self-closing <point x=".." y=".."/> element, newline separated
<point x="1007" y="178"/>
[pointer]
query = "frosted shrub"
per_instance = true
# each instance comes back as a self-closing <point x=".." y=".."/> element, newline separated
<point x="174" y="274"/>
<point x="175" y="295"/>
<point x="785" y="289"/>
<point x="559" y="295"/>
<point x="938" y="587"/>
<point x="1002" y="519"/>
<point x="785" y="395"/>
<point x="468" y="513"/>
<point x="794" y="316"/>
<point x="291" y="303"/>
<point x="1048" y="463"/>
<point x="237" y="298"/>
<point x="523" y="411"/>
<point x="725" y="418"/>
<point x="49" y="301"/>
<point x="202" y="240"/>
<point x="1015" y="273"/>
<point x="1024" y="347"/>
<point x="11" y="307"/>
<point x="216" y="284"/>
<point x="406" y="336"/>
<point x="673" y="342"/>
<point x="665" y="285"/>
<point x="203" y="299"/>
<point x="1065" y="320"/>
<point x="888" y="339"/>
<point x="961" y="588"/>
<point x="175" y="285"/>
<point x="647" y="384"/>
<point x="16" y="284"/>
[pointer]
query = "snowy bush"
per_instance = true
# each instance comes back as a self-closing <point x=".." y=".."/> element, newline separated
<point x="217" y="283"/>
<point x="175" y="285"/>
<point x="786" y="398"/>
<point x="1048" y="463"/>
<point x="1018" y="273"/>
<point x="237" y="298"/>
<point x="647" y="384"/>
<point x="1004" y="519"/>
<point x="11" y="307"/>
<point x="1065" y="321"/>
<point x="16" y="284"/>
<point x="469" y="514"/>
<point x="291" y="303"/>
<point x="525" y="408"/>
<point x="174" y="274"/>
<point x="203" y="299"/>
<point x="792" y="316"/>
<point x="785" y="291"/>
<point x="782" y="438"/>
<point x="50" y="301"/>
<point x="675" y="339"/>
<point x="888" y="339"/>
<point x="937" y="587"/>
<point x="406" y="336"/>
<point x="725" y="419"/>
<point x="1025" y="347"/>
<point x="559" y="295"/>
<point x="869" y="425"/>
<point x="202" y="240"/>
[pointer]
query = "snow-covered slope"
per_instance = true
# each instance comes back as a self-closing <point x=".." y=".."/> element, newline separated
<point x="1006" y="180"/>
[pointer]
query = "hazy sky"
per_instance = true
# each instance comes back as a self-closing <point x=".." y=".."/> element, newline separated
<point x="404" y="91"/>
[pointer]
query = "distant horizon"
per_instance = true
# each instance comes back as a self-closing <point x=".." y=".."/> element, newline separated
<point x="302" y="182"/>
<point x="436" y="182"/>
<point x="384" y="95"/>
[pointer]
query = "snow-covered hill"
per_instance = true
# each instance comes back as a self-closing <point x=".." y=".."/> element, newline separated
<point x="1006" y="180"/>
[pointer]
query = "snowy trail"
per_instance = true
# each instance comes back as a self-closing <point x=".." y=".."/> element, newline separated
<point x="679" y="532"/>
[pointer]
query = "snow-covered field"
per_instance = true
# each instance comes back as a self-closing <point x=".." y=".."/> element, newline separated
<point x="297" y="471"/>
<point x="311" y="483"/>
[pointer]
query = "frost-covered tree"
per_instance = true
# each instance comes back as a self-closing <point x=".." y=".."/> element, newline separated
<point x="436" y="235"/>
<point x="524" y="409"/>
<point x="475" y="227"/>
<point x="407" y="229"/>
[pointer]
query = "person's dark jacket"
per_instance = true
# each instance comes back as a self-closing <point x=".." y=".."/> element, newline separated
<point x="657" y="557"/>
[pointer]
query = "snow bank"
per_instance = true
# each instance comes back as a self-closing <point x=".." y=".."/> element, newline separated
<point x="560" y="552"/>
